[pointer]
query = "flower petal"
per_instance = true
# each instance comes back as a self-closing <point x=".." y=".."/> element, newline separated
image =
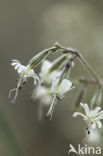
<point x="86" y="108"/>
<point x="54" y="85"/>
<point x="99" y="117"/>
<point x="53" y="75"/>
<point x="13" y="63"/>
<point x="17" y="66"/>
<point x="79" y="114"/>
<point x="99" y="113"/>
<point x="45" y="66"/>
<point x="99" y="123"/>
<point x="65" y="86"/>
<point x="96" y="110"/>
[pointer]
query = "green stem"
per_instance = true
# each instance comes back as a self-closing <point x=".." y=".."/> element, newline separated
<point x="89" y="68"/>
<point x="87" y="81"/>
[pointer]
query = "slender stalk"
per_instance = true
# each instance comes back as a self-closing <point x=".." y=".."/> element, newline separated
<point x="87" y="81"/>
<point x="89" y="68"/>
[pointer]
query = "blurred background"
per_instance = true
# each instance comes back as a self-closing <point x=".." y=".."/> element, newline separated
<point x="27" y="27"/>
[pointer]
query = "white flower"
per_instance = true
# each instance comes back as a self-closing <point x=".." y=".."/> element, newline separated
<point x="45" y="77"/>
<point x="24" y="72"/>
<point x="59" y="89"/>
<point x="43" y="94"/>
<point x="92" y="117"/>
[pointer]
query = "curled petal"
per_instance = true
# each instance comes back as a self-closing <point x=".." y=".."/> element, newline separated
<point x="14" y="63"/>
<point x="86" y="108"/>
<point x="79" y="114"/>
<point x="17" y="66"/>
<point x="19" y="84"/>
<point x="15" y="96"/>
<point x="20" y="69"/>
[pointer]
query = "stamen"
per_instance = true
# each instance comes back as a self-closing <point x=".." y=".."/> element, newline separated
<point x="12" y="90"/>
<point x="16" y="94"/>
<point x="36" y="79"/>
<point x="19" y="85"/>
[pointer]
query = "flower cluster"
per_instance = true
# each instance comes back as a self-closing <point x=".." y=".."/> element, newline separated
<point x="93" y="118"/>
<point x="53" y="82"/>
<point x="52" y="86"/>
<point x="50" y="83"/>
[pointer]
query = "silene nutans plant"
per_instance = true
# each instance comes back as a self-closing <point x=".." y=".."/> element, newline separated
<point x="53" y="83"/>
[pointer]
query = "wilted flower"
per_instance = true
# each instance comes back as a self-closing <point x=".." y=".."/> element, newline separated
<point x="45" y="77"/>
<point x="24" y="72"/>
<point x="92" y="117"/>
<point x="42" y="94"/>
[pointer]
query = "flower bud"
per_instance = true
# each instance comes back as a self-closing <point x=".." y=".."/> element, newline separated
<point x="58" y="63"/>
<point x="36" y="60"/>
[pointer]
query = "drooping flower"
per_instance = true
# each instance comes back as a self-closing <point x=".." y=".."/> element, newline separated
<point x="59" y="89"/>
<point x="92" y="117"/>
<point x="24" y="73"/>
<point x="45" y="77"/>
<point x="42" y="94"/>
<point x="51" y="70"/>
